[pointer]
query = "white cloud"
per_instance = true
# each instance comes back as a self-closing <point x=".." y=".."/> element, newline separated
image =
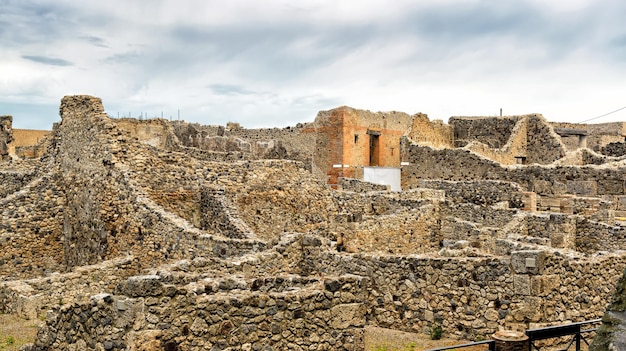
<point x="278" y="62"/>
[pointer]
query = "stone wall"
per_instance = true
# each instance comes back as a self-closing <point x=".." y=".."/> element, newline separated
<point x="544" y="145"/>
<point x="514" y="151"/>
<point x="156" y="132"/>
<point x="6" y="137"/>
<point x="528" y="136"/>
<point x="95" y="200"/>
<point x="468" y="297"/>
<point x="32" y="298"/>
<point x="31" y="228"/>
<point x="599" y="135"/>
<point x="485" y="193"/>
<point x="461" y="165"/>
<point x="491" y="131"/>
<point x="292" y="143"/>
<point x="13" y="181"/>
<point x="127" y="196"/>
<point x="616" y="149"/>
<point x="476" y="296"/>
<point x="279" y="313"/>
<point x="359" y="186"/>
<point x="435" y="133"/>
<point x="29" y="137"/>
<point x="610" y="335"/>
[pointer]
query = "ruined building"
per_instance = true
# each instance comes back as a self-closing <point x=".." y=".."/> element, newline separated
<point x="124" y="234"/>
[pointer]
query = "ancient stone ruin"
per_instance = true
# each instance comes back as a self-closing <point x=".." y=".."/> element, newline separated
<point x="127" y="234"/>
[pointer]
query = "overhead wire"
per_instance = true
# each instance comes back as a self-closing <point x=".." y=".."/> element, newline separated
<point x="606" y="114"/>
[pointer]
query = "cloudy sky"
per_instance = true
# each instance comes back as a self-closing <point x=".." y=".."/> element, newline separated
<point x="277" y="62"/>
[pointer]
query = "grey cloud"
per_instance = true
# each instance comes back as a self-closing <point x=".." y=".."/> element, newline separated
<point x="96" y="41"/>
<point x="127" y="57"/>
<point x="229" y="89"/>
<point x="26" y="22"/>
<point x="47" y="60"/>
<point x="260" y="53"/>
<point x="451" y="29"/>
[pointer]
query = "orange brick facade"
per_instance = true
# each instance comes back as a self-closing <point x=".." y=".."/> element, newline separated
<point x="348" y="140"/>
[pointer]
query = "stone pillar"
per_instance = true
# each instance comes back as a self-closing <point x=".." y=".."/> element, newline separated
<point x="509" y="340"/>
<point x="582" y="141"/>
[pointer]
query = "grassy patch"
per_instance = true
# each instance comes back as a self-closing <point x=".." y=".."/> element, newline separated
<point x="15" y="332"/>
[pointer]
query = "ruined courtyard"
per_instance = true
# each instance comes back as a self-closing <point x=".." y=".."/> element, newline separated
<point x="127" y="234"/>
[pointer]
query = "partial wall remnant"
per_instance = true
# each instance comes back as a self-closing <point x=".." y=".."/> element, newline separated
<point x="6" y="137"/>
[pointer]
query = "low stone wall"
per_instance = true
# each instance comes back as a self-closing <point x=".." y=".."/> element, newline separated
<point x="476" y="296"/>
<point x="616" y="149"/>
<point x="485" y="193"/>
<point x="32" y="298"/>
<point x="317" y="315"/>
<point x="359" y="186"/>
<point x="13" y="181"/>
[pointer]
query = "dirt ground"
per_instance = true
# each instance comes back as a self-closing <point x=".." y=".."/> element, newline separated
<point x="15" y="332"/>
<point x="380" y="339"/>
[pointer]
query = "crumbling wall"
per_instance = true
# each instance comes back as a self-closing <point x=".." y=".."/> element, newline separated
<point x="6" y="137"/>
<point x="14" y="181"/>
<point x="491" y="131"/>
<point x="599" y="135"/>
<point x="484" y="193"/>
<point x="95" y="199"/>
<point x="435" y="133"/>
<point x="31" y="230"/>
<point x="320" y="315"/>
<point x="291" y="143"/>
<point x="615" y="149"/>
<point x="514" y="151"/>
<point x="544" y="145"/>
<point x="505" y="138"/>
<point x="282" y="197"/>
<point x="610" y="335"/>
<point x="406" y="231"/>
<point x="359" y="186"/>
<point x="32" y="298"/>
<point x="220" y="215"/>
<point x="461" y="165"/>
<point x="156" y="132"/>
<point x="30" y="143"/>
<point x="111" y="209"/>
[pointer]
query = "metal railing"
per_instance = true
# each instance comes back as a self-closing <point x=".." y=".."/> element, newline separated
<point x="558" y="331"/>
<point x="538" y="334"/>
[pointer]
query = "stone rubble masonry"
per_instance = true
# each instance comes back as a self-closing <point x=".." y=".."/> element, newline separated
<point x="147" y="243"/>
<point x="286" y="313"/>
<point x="219" y="143"/>
<point x="611" y="334"/>
<point x="616" y="149"/>
<point x="359" y="186"/>
<point x="463" y="165"/>
<point x="6" y="137"/>
<point x="598" y="135"/>
<point x="505" y="138"/>
<point x="469" y="297"/>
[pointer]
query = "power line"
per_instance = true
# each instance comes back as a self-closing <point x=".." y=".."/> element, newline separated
<point x="606" y="114"/>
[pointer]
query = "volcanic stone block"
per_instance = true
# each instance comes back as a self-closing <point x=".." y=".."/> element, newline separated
<point x="528" y="261"/>
<point x="138" y="286"/>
